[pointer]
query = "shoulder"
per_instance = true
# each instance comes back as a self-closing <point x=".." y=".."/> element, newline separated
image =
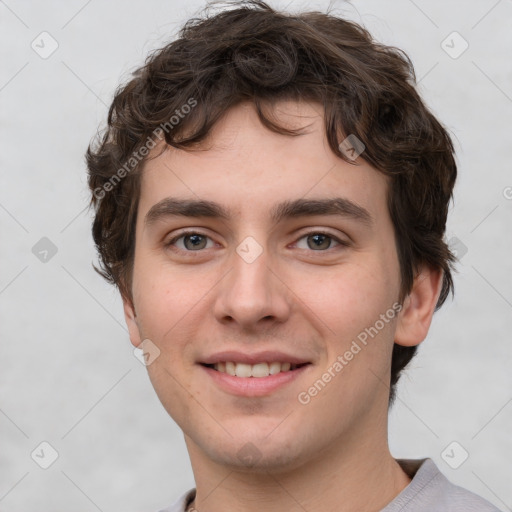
<point x="428" y="491"/>
<point x="431" y="491"/>
<point x="181" y="503"/>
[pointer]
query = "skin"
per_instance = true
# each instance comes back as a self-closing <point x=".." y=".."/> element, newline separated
<point x="329" y="454"/>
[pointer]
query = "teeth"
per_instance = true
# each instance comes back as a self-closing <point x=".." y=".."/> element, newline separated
<point x="243" y="370"/>
<point x="255" y="370"/>
<point x="230" y="368"/>
<point x="274" y="368"/>
<point x="258" y="370"/>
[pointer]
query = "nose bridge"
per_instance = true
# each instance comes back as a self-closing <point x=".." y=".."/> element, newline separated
<point x="251" y="292"/>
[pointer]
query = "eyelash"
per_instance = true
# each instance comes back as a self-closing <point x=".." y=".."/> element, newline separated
<point x="342" y="243"/>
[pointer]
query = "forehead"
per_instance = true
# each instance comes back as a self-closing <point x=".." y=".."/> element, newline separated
<point x="251" y="170"/>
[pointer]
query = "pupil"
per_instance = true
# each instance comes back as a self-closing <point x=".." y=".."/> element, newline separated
<point x="195" y="239"/>
<point x="319" y="238"/>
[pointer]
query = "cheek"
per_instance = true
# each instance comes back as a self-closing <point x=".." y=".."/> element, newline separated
<point x="165" y="306"/>
<point x="165" y="299"/>
<point x="346" y="308"/>
<point x="351" y="298"/>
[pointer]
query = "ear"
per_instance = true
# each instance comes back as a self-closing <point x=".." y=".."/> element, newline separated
<point x="131" y="321"/>
<point x="418" y="308"/>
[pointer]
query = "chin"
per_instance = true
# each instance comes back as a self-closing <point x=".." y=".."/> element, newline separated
<point x="261" y="464"/>
<point x="257" y="455"/>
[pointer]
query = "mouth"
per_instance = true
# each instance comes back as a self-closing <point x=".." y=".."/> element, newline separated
<point x="253" y="380"/>
<point x="258" y="370"/>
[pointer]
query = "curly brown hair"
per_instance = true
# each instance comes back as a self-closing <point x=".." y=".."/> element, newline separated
<point x="251" y="52"/>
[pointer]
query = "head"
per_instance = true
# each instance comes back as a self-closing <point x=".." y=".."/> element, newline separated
<point x="247" y="109"/>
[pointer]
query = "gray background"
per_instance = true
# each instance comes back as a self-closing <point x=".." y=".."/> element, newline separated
<point x="68" y="374"/>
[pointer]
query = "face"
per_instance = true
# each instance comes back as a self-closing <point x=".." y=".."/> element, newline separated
<point x="304" y="283"/>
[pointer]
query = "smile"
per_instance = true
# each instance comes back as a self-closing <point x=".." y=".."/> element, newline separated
<point x="253" y="380"/>
<point x="253" y="370"/>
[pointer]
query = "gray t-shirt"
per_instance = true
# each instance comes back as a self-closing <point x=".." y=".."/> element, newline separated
<point x="428" y="491"/>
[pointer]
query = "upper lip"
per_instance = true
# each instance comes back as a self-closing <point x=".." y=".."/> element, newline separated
<point x="268" y="356"/>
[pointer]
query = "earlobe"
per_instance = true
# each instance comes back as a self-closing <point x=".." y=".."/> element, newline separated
<point x="418" y="308"/>
<point x="131" y="322"/>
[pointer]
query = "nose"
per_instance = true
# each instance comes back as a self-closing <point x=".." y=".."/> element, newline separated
<point x="252" y="295"/>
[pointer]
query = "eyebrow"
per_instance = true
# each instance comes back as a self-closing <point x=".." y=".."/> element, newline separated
<point x="171" y="206"/>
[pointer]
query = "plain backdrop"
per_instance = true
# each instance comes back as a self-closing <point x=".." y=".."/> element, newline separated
<point x="68" y="374"/>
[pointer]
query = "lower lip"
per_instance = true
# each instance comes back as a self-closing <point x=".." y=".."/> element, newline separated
<point x="254" y="386"/>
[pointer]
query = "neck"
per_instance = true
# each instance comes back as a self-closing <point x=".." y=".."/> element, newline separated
<point x="358" y="474"/>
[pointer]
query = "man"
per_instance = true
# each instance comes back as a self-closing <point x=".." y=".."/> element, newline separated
<point x="271" y="198"/>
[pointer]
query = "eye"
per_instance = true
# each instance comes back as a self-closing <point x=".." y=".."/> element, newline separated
<point x="192" y="241"/>
<point x="320" y="241"/>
